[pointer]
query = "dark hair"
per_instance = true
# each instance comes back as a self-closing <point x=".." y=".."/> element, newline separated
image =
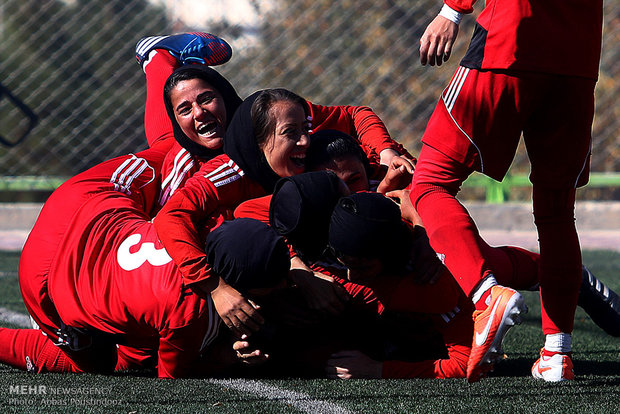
<point x="209" y="75"/>
<point x="262" y="121"/>
<point x="330" y="144"/>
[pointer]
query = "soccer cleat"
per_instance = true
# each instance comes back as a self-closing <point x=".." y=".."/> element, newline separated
<point x="490" y="327"/>
<point x="553" y="368"/>
<point x="187" y="48"/>
<point x="600" y="302"/>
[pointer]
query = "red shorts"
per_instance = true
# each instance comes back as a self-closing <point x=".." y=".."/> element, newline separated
<point x="481" y="115"/>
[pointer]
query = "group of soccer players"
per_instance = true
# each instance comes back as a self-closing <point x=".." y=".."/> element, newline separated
<point x="269" y="215"/>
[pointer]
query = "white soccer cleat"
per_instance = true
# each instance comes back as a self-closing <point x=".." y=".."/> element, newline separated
<point x="554" y="368"/>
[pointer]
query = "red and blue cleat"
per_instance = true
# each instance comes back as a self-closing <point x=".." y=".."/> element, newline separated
<point x="187" y="48"/>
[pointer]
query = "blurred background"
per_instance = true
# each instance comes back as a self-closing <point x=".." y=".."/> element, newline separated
<point x="72" y="94"/>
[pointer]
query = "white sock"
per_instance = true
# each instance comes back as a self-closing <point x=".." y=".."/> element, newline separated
<point x="148" y="59"/>
<point x="484" y="285"/>
<point x="559" y="342"/>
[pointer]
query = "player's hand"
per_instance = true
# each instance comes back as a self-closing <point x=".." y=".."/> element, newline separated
<point x="247" y="355"/>
<point x="240" y="315"/>
<point x="322" y="292"/>
<point x="398" y="175"/>
<point x="407" y="211"/>
<point x="352" y="364"/>
<point x="386" y="155"/>
<point x="437" y="40"/>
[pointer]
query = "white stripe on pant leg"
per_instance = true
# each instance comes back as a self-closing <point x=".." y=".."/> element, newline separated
<point x="298" y="400"/>
<point x="447" y="96"/>
<point x="450" y="105"/>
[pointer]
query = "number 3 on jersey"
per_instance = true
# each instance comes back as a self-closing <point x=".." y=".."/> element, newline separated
<point x="146" y="253"/>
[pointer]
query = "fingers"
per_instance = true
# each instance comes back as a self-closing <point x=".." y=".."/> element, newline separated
<point x="334" y="372"/>
<point x="245" y="321"/>
<point x="427" y="49"/>
<point x="437" y="40"/>
<point x="396" y="195"/>
<point x="247" y="356"/>
<point x="403" y="164"/>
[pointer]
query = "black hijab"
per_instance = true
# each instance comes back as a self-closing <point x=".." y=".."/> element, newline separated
<point x="241" y="141"/>
<point x="301" y="208"/>
<point x="241" y="146"/>
<point x="213" y="78"/>
<point x="247" y="254"/>
<point x="369" y="225"/>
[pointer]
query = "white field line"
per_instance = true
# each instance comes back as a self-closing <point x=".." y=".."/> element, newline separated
<point x="298" y="400"/>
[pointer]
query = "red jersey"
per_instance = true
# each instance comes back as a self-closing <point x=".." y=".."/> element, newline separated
<point x="359" y="121"/>
<point x="552" y="36"/>
<point x="93" y="261"/>
<point x="130" y="179"/>
<point x="220" y="185"/>
<point x="117" y="278"/>
<point x="207" y="199"/>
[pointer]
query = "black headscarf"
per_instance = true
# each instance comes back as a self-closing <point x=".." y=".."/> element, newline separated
<point x="241" y="146"/>
<point x="369" y="225"/>
<point x="231" y="102"/>
<point x="247" y="254"/>
<point x="301" y="208"/>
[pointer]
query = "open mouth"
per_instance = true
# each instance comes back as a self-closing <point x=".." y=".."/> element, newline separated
<point x="207" y="130"/>
<point x="299" y="160"/>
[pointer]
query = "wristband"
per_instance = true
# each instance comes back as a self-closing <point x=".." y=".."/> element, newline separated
<point x="450" y="14"/>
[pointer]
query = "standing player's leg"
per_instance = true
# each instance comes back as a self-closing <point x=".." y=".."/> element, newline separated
<point x="558" y="139"/>
<point x="476" y="125"/>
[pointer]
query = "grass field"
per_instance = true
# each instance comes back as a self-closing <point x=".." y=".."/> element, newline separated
<point x="510" y="389"/>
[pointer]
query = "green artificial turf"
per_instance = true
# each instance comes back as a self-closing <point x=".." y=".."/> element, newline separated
<point x="509" y="389"/>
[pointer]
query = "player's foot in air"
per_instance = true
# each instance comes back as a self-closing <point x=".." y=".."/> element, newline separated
<point x="553" y="367"/>
<point x="600" y="302"/>
<point x="187" y="48"/>
<point x="490" y="326"/>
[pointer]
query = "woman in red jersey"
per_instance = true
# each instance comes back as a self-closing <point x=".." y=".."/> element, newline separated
<point x="530" y="70"/>
<point x="129" y="292"/>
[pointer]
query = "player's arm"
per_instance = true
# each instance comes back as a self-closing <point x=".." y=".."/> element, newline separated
<point x="362" y="123"/>
<point x="438" y="38"/>
<point x="177" y="226"/>
<point x="373" y="135"/>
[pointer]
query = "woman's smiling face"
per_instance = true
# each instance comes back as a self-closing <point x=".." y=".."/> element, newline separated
<point x="285" y="148"/>
<point x="200" y="111"/>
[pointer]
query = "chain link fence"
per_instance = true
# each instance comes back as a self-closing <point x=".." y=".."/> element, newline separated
<point x="72" y="94"/>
